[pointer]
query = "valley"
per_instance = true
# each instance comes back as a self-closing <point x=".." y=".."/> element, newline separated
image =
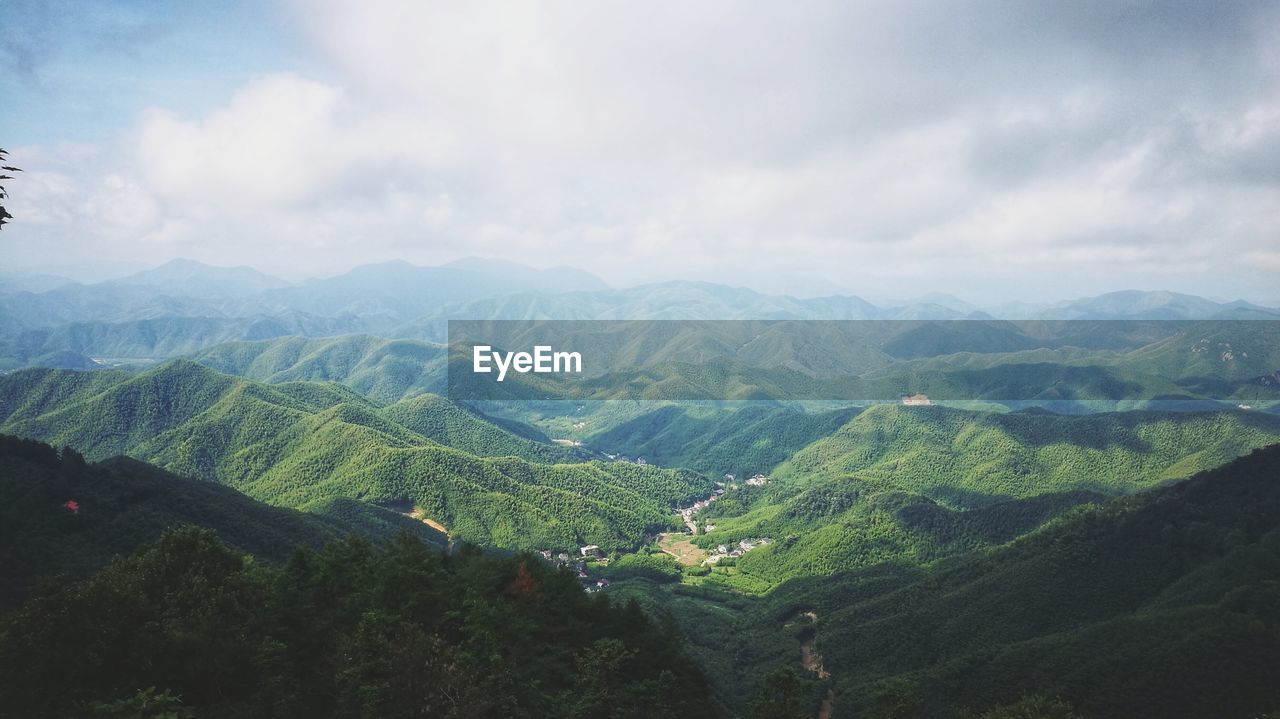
<point x="308" y="445"/>
<point x="831" y="557"/>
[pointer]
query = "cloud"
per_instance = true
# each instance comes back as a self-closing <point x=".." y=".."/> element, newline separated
<point x="1070" y="147"/>
<point x="277" y="142"/>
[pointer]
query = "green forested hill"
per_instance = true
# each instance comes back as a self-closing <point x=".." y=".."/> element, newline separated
<point x="305" y="445"/>
<point x="122" y="503"/>
<point x="917" y="483"/>
<point x="453" y="425"/>
<point x="836" y="527"/>
<point x="961" y="458"/>
<point x="33" y="392"/>
<point x="1207" y="352"/>
<point x="1219" y="359"/>
<point x="970" y="459"/>
<point x="926" y="505"/>
<point x="187" y="628"/>
<point x="1163" y="604"/>
<point x="853" y="488"/>
<point x="740" y="442"/>
<point x="383" y="370"/>
<point x="155" y="333"/>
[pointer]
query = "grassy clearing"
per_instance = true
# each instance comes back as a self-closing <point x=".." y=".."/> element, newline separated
<point x="678" y="545"/>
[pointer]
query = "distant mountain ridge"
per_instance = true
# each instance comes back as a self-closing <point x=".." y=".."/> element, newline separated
<point x="398" y="290"/>
<point x="195" y="279"/>
<point x="30" y="282"/>
<point x="401" y="291"/>
<point x="1138" y="304"/>
<point x="47" y="321"/>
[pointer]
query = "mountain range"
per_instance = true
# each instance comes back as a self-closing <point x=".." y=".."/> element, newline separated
<point x="218" y="606"/>
<point x="1159" y="604"/>
<point x="186" y="473"/>
<point x="184" y="306"/>
<point x="308" y="445"/>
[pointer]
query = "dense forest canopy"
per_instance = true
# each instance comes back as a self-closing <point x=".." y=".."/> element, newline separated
<point x="307" y="445"/>
<point x="188" y="628"/>
<point x="861" y="525"/>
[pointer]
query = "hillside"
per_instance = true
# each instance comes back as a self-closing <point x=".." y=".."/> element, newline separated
<point x="382" y="370"/>
<point x="122" y="503"/>
<point x="1162" y="604"/>
<point x="971" y="459"/>
<point x="158" y="338"/>
<point x="1224" y="359"/>
<point x="304" y="445"/>
<point x="850" y="489"/>
<point x="187" y="627"/>
<point x="459" y="427"/>
<point x="755" y="438"/>
<point x="963" y="458"/>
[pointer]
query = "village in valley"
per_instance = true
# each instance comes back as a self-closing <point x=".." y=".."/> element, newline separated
<point x="679" y="546"/>
<point x="578" y="565"/>
<point x="590" y="559"/>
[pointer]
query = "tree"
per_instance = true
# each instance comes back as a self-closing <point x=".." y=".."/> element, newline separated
<point x="1034" y="706"/>
<point x="4" y="214"/>
<point x="780" y="695"/>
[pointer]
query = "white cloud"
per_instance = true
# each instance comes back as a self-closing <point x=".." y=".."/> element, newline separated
<point x="861" y="143"/>
<point x="123" y="205"/>
<point x="278" y="142"/>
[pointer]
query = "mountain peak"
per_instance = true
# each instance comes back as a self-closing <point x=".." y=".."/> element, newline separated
<point x="192" y="278"/>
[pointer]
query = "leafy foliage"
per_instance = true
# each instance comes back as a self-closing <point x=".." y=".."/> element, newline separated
<point x="121" y="503"/>
<point x="356" y="630"/>
<point x="382" y="370"/>
<point x="972" y="459"/>
<point x="1164" y="604"/>
<point x="306" y="445"/>
<point x="656" y="567"/>
<point x="4" y="214"/>
<point x="755" y="438"/>
<point x="457" y="426"/>
<point x="1160" y="604"/>
<point x="914" y="484"/>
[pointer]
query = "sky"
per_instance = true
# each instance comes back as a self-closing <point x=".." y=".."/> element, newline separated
<point x="992" y="150"/>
